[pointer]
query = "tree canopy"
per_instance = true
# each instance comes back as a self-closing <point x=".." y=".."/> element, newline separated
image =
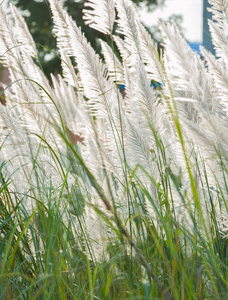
<point x="38" y="17"/>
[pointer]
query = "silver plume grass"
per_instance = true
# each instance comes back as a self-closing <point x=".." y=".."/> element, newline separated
<point x="152" y="152"/>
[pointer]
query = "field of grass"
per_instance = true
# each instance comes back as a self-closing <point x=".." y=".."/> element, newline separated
<point x="105" y="195"/>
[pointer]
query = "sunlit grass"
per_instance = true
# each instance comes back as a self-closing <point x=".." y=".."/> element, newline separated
<point x="129" y="210"/>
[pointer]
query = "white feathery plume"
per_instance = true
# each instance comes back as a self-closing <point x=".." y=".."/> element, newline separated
<point x="22" y="33"/>
<point x="17" y="58"/>
<point x="139" y="148"/>
<point x="20" y="149"/>
<point x="150" y="56"/>
<point x="217" y="70"/>
<point x="137" y="41"/>
<point x="10" y="119"/>
<point x="186" y="73"/>
<point x="100" y="15"/>
<point x="180" y="64"/>
<point x="71" y="109"/>
<point x="9" y="50"/>
<point x="33" y="81"/>
<point x="125" y="52"/>
<point x="145" y="112"/>
<point x="7" y="39"/>
<point x="219" y="40"/>
<point x="188" y="77"/>
<point x="21" y="93"/>
<point x="97" y="87"/>
<point x="23" y="123"/>
<point x="28" y="118"/>
<point x="128" y="23"/>
<point x="68" y="70"/>
<point x="66" y="101"/>
<point x="113" y="64"/>
<point x="219" y="8"/>
<point x="147" y="102"/>
<point x="180" y="60"/>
